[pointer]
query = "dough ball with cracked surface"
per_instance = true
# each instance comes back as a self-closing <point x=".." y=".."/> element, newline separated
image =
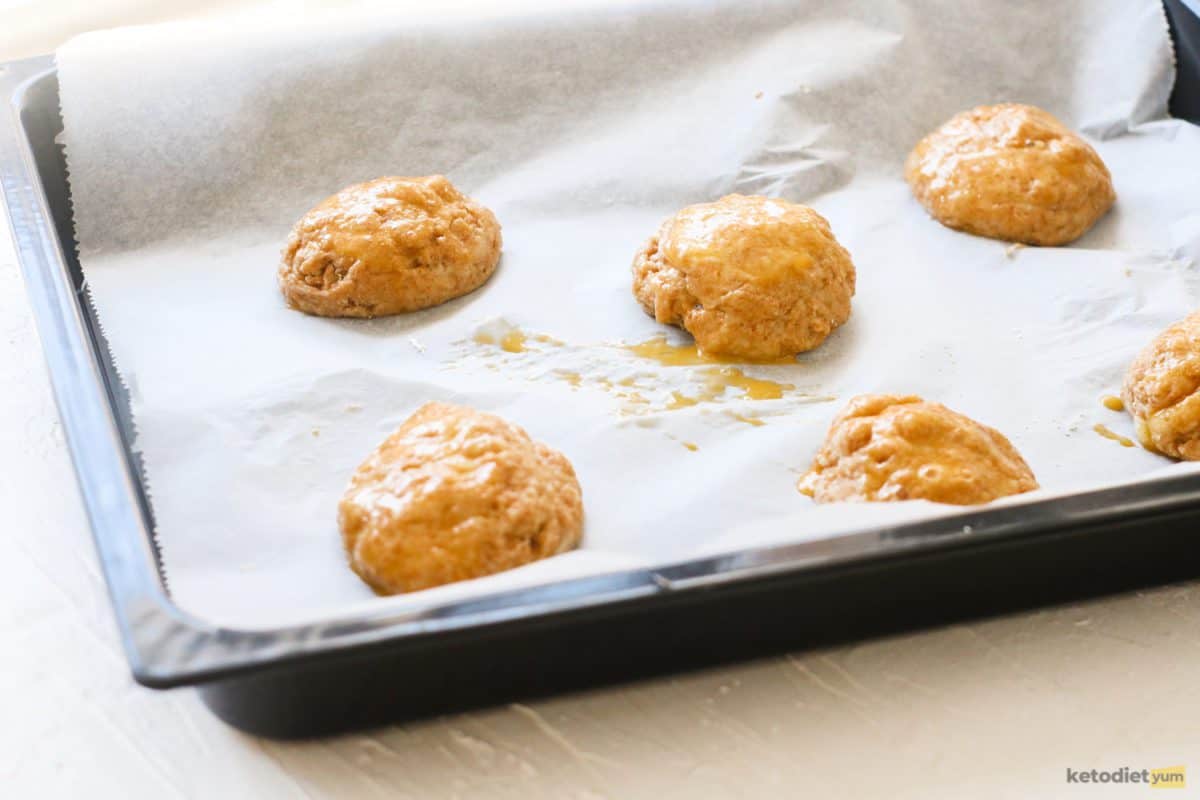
<point x="1010" y="172"/>
<point x="388" y="246"/>
<point x="749" y="277"/>
<point x="1162" y="391"/>
<point x="456" y="494"/>
<point x="891" y="447"/>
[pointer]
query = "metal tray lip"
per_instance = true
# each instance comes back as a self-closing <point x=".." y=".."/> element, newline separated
<point x="90" y="428"/>
<point x="167" y="646"/>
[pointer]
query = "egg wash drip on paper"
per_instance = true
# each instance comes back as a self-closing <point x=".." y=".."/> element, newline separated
<point x="644" y="380"/>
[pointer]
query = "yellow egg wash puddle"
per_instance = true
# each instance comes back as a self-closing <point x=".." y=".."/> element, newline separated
<point x="1116" y="437"/>
<point x="514" y="342"/>
<point x="1112" y="403"/>
<point x="624" y="389"/>
<point x="717" y="379"/>
<point x="680" y="400"/>
<point x="721" y="378"/>
<point x="688" y="355"/>
<point x="691" y="446"/>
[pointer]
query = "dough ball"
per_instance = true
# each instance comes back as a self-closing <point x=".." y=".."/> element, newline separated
<point x="748" y="277"/>
<point x="455" y="494"/>
<point x="889" y="447"/>
<point x="1162" y="391"/>
<point x="388" y="246"/>
<point x="1010" y="172"/>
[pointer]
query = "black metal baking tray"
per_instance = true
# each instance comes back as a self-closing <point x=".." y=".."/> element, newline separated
<point x="379" y="666"/>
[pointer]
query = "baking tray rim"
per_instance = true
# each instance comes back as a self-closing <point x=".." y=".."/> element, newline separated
<point x="166" y="646"/>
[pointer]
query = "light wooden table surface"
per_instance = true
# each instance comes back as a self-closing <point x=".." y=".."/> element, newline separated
<point x="1000" y="708"/>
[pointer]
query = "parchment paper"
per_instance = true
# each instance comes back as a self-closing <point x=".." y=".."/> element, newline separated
<point x="193" y="147"/>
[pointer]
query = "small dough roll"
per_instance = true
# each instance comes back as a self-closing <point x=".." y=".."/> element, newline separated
<point x="455" y="494"/>
<point x="889" y="447"/>
<point x="1010" y="172"/>
<point x="388" y="246"/>
<point x="749" y="277"/>
<point x="1162" y="391"/>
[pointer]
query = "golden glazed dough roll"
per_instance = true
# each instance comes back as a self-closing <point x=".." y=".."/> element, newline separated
<point x="388" y="246"/>
<point x="455" y="494"/>
<point x="889" y="448"/>
<point x="749" y="277"/>
<point x="1162" y="391"/>
<point x="1010" y="172"/>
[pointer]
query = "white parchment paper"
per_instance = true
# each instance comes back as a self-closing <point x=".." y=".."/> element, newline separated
<point x="192" y="148"/>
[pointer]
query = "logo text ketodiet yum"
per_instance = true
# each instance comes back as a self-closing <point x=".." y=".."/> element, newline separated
<point x="1170" y="777"/>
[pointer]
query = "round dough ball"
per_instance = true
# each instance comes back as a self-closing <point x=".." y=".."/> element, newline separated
<point x="455" y="494"/>
<point x="889" y="447"/>
<point x="748" y="277"/>
<point x="1010" y="172"/>
<point x="388" y="246"/>
<point x="1162" y="391"/>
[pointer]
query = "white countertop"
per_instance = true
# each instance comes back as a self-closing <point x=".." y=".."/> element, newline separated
<point x="1000" y="708"/>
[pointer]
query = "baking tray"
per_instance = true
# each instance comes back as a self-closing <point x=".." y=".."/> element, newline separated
<point x="382" y="665"/>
